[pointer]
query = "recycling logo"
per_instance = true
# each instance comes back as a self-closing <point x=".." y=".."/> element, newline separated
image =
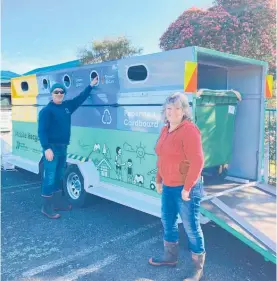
<point x="106" y="117"/>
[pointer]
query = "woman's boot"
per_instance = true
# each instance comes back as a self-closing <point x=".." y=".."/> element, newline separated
<point x="198" y="260"/>
<point x="170" y="256"/>
<point x="47" y="207"/>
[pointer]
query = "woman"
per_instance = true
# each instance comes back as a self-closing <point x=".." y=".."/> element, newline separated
<point x="180" y="162"/>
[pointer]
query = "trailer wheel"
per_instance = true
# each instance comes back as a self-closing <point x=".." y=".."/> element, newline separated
<point x="74" y="187"/>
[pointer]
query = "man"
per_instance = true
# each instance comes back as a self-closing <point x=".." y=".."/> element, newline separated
<point x="54" y="128"/>
<point x="118" y="163"/>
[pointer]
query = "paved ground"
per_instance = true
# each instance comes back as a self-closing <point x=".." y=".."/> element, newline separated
<point x="105" y="241"/>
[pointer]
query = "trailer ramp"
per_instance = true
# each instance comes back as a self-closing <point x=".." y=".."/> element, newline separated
<point x="248" y="211"/>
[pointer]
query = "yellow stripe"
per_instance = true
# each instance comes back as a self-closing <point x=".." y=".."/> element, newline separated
<point x="190" y="67"/>
<point x="77" y="157"/>
<point x="24" y="113"/>
<point x="24" y="101"/>
<point x="269" y="79"/>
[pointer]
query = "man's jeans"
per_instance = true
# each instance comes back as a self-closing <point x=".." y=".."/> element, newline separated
<point x="172" y="205"/>
<point x="54" y="170"/>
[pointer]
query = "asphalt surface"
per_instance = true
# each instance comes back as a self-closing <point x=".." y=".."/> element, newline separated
<point x="105" y="241"/>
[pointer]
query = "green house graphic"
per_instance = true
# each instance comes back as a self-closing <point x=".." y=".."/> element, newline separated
<point x="104" y="168"/>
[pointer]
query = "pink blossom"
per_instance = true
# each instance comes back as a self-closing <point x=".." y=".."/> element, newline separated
<point x="235" y="26"/>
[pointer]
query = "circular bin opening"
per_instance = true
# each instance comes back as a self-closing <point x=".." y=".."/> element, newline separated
<point x="45" y="83"/>
<point x="24" y="86"/>
<point x="66" y="81"/>
<point x="94" y="74"/>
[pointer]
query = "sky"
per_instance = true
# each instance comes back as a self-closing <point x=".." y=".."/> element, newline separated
<point x="37" y="33"/>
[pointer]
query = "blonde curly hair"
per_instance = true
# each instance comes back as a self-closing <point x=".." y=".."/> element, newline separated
<point x="180" y="99"/>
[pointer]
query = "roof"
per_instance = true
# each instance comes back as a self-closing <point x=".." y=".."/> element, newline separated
<point x="64" y="65"/>
<point x="230" y="57"/>
<point x="6" y="76"/>
<point x="104" y="161"/>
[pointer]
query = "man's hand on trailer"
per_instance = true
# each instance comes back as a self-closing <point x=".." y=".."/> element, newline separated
<point x="94" y="81"/>
<point x="49" y="155"/>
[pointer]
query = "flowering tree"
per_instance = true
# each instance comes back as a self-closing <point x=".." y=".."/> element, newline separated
<point x="242" y="27"/>
<point x="237" y="6"/>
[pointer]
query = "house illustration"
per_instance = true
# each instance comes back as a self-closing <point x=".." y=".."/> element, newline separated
<point x="104" y="167"/>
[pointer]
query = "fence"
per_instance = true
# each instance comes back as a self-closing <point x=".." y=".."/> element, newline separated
<point x="270" y="142"/>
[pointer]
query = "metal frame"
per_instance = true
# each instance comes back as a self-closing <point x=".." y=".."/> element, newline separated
<point x="238" y="180"/>
<point x="210" y="197"/>
<point x="265" y="188"/>
<point x="270" y="124"/>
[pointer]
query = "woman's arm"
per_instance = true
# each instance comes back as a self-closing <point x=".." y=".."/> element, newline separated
<point x="194" y="152"/>
<point x="158" y="144"/>
<point x="158" y="176"/>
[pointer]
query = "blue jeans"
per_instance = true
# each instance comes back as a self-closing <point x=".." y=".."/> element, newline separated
<point x="54" y="170"/>
<point x="172" y="205"/>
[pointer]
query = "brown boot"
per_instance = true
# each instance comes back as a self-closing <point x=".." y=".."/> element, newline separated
<point x="60" y="202"/>
<point x="198" y="260"/>
<point x="47" y="207"/>
<point x="170" y="256"/>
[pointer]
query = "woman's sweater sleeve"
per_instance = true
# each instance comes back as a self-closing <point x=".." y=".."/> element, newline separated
<point x="194" y="153"/>
<point x="158" y="177"/>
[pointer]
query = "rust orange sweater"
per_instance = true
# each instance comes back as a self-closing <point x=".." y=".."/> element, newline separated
<point x="180" y="156"/>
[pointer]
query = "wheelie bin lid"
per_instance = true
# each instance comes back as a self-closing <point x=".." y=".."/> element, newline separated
<point x="219" y="93"/>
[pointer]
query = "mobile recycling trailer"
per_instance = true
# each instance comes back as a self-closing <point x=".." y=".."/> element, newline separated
<point x="114" y="133"/>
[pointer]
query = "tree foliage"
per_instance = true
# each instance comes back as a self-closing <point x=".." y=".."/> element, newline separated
<point x="108" y="49"/>
<point x="241" y="27"/>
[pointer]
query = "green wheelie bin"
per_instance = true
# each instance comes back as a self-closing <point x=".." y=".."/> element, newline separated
<point x="215" y="114"/>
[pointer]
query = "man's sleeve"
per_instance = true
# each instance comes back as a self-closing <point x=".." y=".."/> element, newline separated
<point x="43" y="128"/>
<point x="79" y="100"/>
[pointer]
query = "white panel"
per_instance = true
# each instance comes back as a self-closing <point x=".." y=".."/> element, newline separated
<point x="248" y="81"/>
